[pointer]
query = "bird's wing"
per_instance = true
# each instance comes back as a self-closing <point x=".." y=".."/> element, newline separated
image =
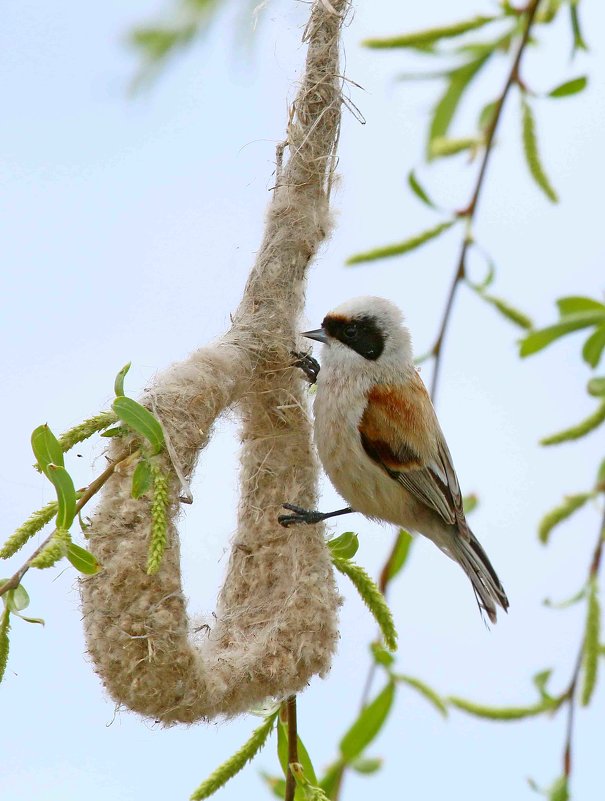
<point x="399" y="431"/>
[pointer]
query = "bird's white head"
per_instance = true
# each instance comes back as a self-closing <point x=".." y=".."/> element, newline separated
<point x="363" y="331"/>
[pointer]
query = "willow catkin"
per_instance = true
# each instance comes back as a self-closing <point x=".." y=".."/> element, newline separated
<point x="276" y="622"/>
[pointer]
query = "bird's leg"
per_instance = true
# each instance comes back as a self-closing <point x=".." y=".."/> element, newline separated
<point x="307" y="364"/>
<point x="306" y="516"/>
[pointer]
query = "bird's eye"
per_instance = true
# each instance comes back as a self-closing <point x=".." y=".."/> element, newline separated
<point x="350" y="332"/>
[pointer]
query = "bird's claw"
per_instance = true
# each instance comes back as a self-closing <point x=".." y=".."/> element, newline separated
<point x="300" y="516"/>
<point x="308" y="365"/>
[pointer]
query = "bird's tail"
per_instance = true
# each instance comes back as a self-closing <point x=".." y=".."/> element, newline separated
<point x="474" y="561"/>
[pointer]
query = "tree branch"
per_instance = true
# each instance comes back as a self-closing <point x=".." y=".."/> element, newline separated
<point x="570" y="694"/>
<point x="470" y="211"/>
<point x="90" y="491"/>
<point x="292" y="747"/>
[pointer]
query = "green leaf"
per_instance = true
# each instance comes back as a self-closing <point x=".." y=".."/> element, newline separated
<point x="141" y="479"/>
<point x="372" y="597"/>
<point x="530" y="148"/>
<point x="592" y="634"/>
<point x="580" y="430"/>
<point x="427" y="692"/>
<point x="578" y="39"/>
<point x="331" y="779"/>
<point x="560" y="513"/>
<point x="276" y="784"/>
<point x="305" y="761"/>
<point x="579" y="596"/>
<point x="504" y="713"/>
<point x="569" y="87"/>
<point x="540" y="681"/>
<point x="303" y="754"/>
<point x="156" y="43"/>
<point x="490" y="274"/>
<point x="116" y="431"/>
<point x="400" y="553"/>
<point x="345" y="546"/>
<point x="537" y="340"/>
<point x="37" y="620"/>
<point x="596" y="387"/>
<point x="506" y="310"/>
<point x="419" y="190"/>
<point x="119" y="382"/>
<point x="5" y="624"/>
<point x="423" y="76"/>
<point x="370" y="721"/>
<point x="16" y="600"/>
<point x="66" y="495"/>
<point x="559" y="790"/>
<point x="366" y="765"/>
<point x="470" y="503"/>
<point x="238" y="761"/>
<point x="485" y="48"/>
<point x="445" y="109"/>
<point x="381" y="655"/>
<point x="140" y="420"/>
<point x="309" y="791"/>
<point x="593" y="347"/>
<point x="547" y="11"/>
<point x="443" y="146"/>
<point x="46" y="448"/>
<point x="487" y="116"/>
<point x="82" y="559"/>
<point x="422" y="39"/>
<point x="572" y="304"/>
<point x="400" y="248"/>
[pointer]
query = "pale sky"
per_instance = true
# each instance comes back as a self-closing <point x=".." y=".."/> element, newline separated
<point x="128" y="227"/>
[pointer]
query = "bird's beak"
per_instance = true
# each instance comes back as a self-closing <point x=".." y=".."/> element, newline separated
<point x="319" y="335"/>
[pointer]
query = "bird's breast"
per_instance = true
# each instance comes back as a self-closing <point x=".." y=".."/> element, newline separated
<point x="339" y="406"/>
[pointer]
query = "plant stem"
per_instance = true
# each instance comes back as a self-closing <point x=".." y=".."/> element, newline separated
<point x="91" y="490"/>
<point x="470" y="211"/>
<point x="570" y="694"/>
<point x="292" y="746"/>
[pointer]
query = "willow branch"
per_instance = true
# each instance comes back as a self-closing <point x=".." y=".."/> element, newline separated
<point x="290" y="706"/>
<point x="470" y="211"/>
<point x="91" y="490"/>
<point x="570" y="694"/>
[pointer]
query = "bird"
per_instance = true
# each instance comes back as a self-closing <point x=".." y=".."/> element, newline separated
<point x="380" y="443"/>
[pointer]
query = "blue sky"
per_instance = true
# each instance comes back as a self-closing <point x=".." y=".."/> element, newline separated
<point x="128" y="227"/>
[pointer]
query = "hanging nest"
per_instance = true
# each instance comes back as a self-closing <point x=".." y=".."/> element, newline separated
<point x="276" y="616"/>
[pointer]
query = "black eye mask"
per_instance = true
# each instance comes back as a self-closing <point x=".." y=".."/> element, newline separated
<point x="361" y="334"/>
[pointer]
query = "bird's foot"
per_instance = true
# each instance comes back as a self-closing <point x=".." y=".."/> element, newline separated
<point x="300" y="515"/>
<point x="305" y="516"/>
<point x="307" y="364"/>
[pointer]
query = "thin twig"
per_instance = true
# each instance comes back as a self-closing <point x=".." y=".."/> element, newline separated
<point x="91" y="490"/>
<point x="470" y="211"/>
<point x="438" y="346"/>
<point x="569" y="695"/>
<point x="292" y="747"/>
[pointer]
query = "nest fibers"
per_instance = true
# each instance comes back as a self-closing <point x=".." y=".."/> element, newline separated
<point x="276" y="623"/>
